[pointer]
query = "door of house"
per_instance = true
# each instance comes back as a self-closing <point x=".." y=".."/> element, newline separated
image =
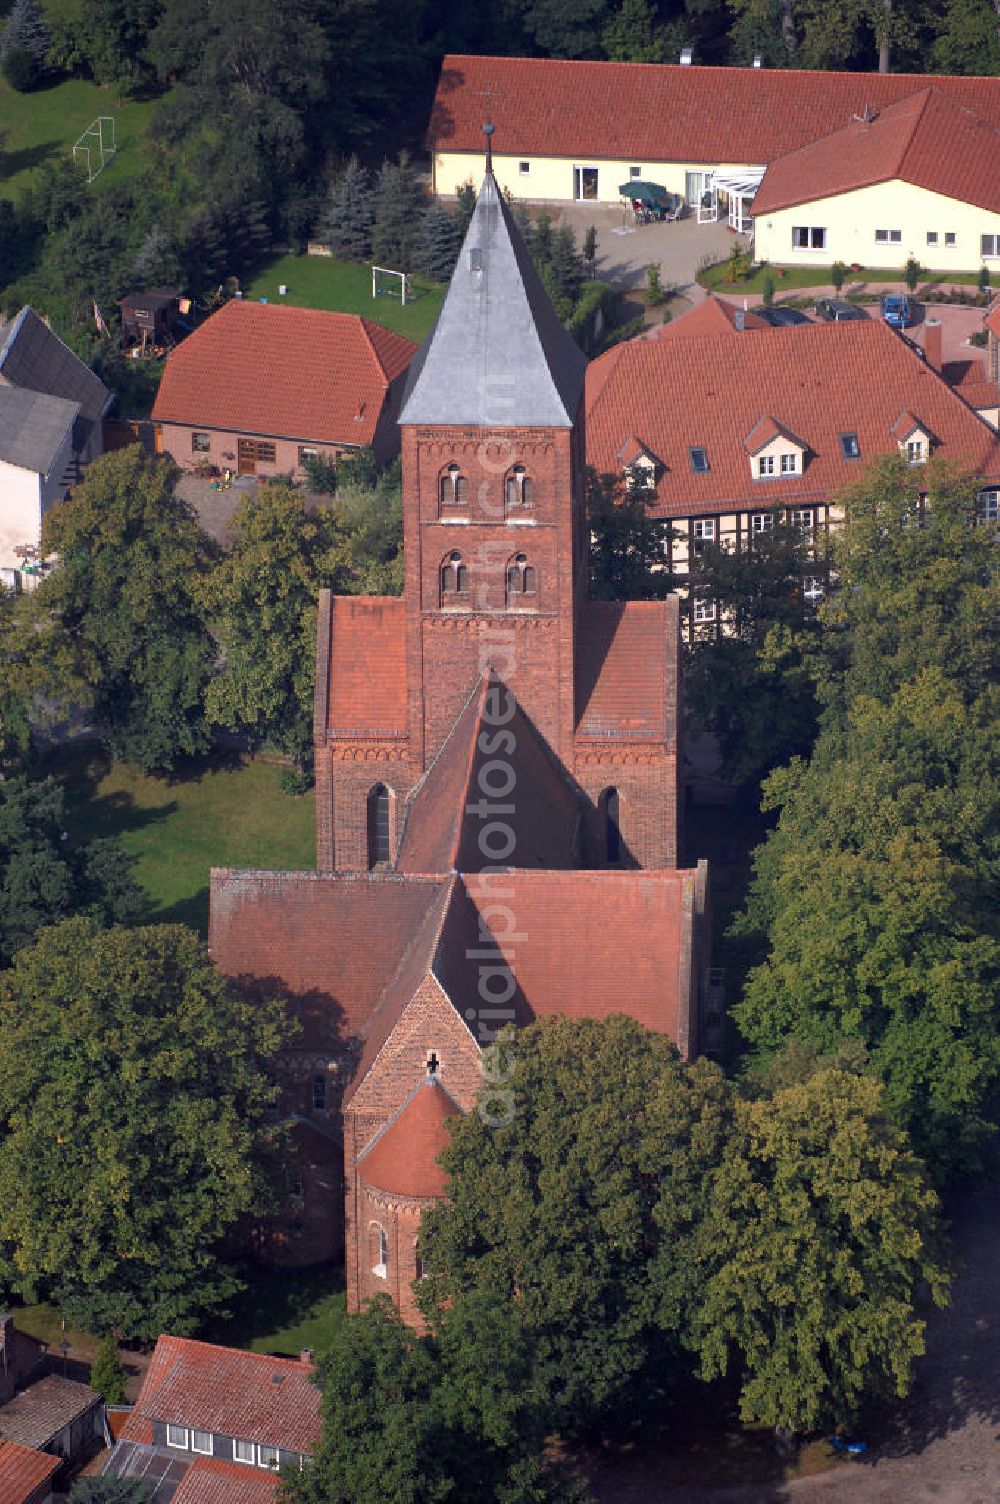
<point x="246" y="457"/>
<point x="584" y="183"/>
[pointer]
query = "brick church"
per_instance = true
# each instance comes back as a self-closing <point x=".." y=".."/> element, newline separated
<point x="497" y="779"/>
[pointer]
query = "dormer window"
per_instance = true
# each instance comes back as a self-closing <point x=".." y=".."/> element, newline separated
<point x="640" y="475"/>
<point x="522" y="581"/>
<point x="453" y="488"/>
<point x="765" y="465"/>
<point x="913" y="439"/>
<point x="454" y="578"/>
<point x="790" y="464"/>
<point x="519" y="490"/>
<point x="916" y="450"/>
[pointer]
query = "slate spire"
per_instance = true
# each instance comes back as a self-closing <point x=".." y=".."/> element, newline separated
<point x="498" y="355"/>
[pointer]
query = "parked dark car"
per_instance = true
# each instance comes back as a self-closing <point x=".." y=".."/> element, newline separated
<point x="782" y="318"/>
<point x="898" y="310"/>
<point x="838" y="310"/>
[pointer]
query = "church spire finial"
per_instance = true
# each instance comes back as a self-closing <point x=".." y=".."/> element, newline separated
<point x="488" y="130"/>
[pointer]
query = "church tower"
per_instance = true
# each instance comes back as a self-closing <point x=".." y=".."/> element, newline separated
<point x="496" y="566"/>
<point x="493" y="504"/>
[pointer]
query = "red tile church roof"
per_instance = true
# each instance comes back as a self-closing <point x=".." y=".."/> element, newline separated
<point x="928" y="140"/>
<point x="402" y="1160"/>
<point x="333" y="941"/>
<point x="656" y="112"/>
<point x="624" y="654"/>
<point x="227" y="1390"/>
<point x="365" y="686"/>
<point x="818" y="381"/>
<point x="297" y="373"/>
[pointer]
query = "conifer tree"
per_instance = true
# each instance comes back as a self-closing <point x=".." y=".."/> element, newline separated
<point x="437" y="244"/>
<point x="400" y="204"/>
<point x="107" y="1373"/>
<point x="26" y="31"/>
<point x="350" y="214"/>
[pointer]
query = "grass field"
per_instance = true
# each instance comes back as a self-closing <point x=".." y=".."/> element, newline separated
<point x="213" y="814"/>
<point x="283" y="1311"/>
<point x="42" y="126"/>
<point x="320" y="282"/>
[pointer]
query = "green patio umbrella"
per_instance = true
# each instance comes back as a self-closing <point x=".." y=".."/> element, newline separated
<point x="646" y="193"/>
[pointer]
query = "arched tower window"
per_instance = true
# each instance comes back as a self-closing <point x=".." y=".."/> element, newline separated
<point x="378" y="826"/>
<point x="519" y="490"/>
<point x="522" y="582"/>
<point x="453" y="487"/>
<point x="454" y="578"/>
<point x="610" y="825"/>
<point x="378" y="1245"/>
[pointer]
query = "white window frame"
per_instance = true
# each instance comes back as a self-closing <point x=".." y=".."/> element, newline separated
<point x="808" y="237"/>
<point x="988" y="506"/>
<point x="262" y="1460"/>
<point x="634" y="172"/>
<point x="765" y="466"/>
<point x="813" y="589"/>
<point x="704" y="610"/>
<point x="197" y="434"/>
<point x="179" y="1446"/>
<point x="803" y="519"/>
<point x="702" y="531"/>
<point x="950" y="238"/>
<point x="888" y="237"/>
<point x="932" y="237"/>
<point x="993" y="240"/>
<point x="524" y="168"/>
<point x="916" y="451"/>
<point x="250" y="1461"/>
<point x="790" y="463"/>
<point x="208" y="1451"/>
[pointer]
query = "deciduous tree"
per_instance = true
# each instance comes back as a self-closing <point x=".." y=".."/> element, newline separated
<point x="627" y="553"/>
<point x="126" y="598"/>
<point x="134" y="1099"/>
<point x="819" y="1241"/>
<point x="262" y="599"/>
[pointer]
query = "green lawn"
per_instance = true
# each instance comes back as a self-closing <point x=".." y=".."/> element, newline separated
<point x="212" y="814"/>
<point x="42" y="126"/>
<point x="787" y="278"/>
<point x="321" y="282"/>
<point x="283" y="1311"/>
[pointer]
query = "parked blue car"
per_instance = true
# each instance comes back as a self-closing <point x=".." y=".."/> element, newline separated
<point x="897" y="310"/>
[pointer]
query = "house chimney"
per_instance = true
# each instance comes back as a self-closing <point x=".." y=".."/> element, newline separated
<point x="306" y="1355"/>
<point x="686" y="56"/>
<point x="757" y="60"/>
<point x="740" y="319"/>
<point x="932" y="343"/>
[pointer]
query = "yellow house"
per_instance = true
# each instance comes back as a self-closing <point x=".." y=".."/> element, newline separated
<point x="920" y="179"/>
<point x="568" y="131"/>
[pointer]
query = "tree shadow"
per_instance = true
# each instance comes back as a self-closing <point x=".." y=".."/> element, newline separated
<point x="26" y="158"/>
<point x="275" y="1299"/>
<point x="191" y="911"/>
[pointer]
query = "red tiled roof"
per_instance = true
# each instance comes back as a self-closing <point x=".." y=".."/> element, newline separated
<point x="979" y="394"/>
<point x="367" y="676"/>
<point x="712" y="316"/>
<point x="657" y="112"/>
<point x="209" y="1480"/>
<point x="332" y="942"/>
<point x="562" y="960"/>
<point x="993" y="316"/>
<point x="227" y="1390"/>
<point x="765" y="430"/>
<point x="297" y="373"/>
<point x="442" y="826"/>
<point x="402" y="1160"/>
<point x="929" y="140"/>
<point x="906" y="424"/>
<point x="820" y="380"/>
<point x="624" y="652"/>
<point x="22" y="1471"/>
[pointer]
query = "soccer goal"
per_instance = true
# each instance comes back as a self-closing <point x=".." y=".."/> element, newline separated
<point x="390" y="284"/>
<point x="96" y="146"/>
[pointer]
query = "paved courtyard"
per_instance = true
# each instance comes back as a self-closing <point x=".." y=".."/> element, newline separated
<point x="625" y="249"/>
